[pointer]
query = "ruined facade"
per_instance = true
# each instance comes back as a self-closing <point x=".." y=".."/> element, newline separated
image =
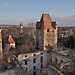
<point x="46" y="33"/>
<point x="34" y="62"/>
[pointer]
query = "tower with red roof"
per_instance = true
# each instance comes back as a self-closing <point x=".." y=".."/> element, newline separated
<point x="46" y="33"/>
<point x="21" y="28"/>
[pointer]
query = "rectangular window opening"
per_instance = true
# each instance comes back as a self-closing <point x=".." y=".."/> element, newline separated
<point x="34" y="60"/>
<point x="25" y="62"/>
<point x="34" y="73"/>
<point x="34" y="67"/>
<point x="41" y="65"/>
<point x="41" y="59"/>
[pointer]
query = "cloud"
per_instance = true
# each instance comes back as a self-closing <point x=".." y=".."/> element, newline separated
<point x="65" y="21"/>
<point x="5" y="3"/>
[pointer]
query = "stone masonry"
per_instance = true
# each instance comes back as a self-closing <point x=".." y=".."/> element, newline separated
<point x="46" y="33"/>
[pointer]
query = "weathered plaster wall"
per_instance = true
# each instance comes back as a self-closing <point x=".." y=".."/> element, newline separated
<point x="30" y="64"/>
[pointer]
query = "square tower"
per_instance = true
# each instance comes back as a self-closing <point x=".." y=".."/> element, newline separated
<point x="46" y="33"/>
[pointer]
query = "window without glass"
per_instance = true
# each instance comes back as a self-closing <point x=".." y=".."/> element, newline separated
<point x="61" y="61"/>
<point x="41" y="65"/>
<point x="34" y="60"/>
<point x="34" y="73"/>
<point x="25" y="62"/>
<point x="47" y="30"/>
<point x="41" y="59"/>
<point x="41" y="53"/>
<point x="33" y="54"/>
<point x="25" y="55"/>
<point x="34" y="67"/>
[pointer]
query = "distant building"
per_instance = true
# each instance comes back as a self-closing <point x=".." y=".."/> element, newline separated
<point x="9" y="43"/>
<point x="64" y="33"/>
<point x="1" y="52"/>
<point x="46" y="33"/>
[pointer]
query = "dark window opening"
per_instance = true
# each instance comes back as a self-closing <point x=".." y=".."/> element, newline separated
<point x="25" y="62"/>
<point x="25" y="55"/>
<point x="26" y="69"/>
<point x="41" y="53"/>
<point x="33" y="54"/>
<point x="61" y="61"/>
<point x="41" y="60"/>
<point x="47" y="30"/>
<point x="34" y="60"/>
<point x="34" y="73"/>
<point x="56" y="60"/>
<point x="34" y="67"/>
<point x="41" y="65"/>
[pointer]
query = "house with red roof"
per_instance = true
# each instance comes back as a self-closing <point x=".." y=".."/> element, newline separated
<point x="9" y="43"/>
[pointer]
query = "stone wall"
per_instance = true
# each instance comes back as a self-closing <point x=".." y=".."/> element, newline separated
<point x="40" y="38"/>
<point x="50" y="39"/>
<point x="59" y="58"/>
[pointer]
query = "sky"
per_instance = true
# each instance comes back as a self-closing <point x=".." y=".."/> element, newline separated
<point x="12" y="12"/>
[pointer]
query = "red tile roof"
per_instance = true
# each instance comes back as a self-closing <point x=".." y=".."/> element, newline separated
<point x="46" y="20"/>
<point x="10" y="40"/>
<point x="20" y="24"/>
